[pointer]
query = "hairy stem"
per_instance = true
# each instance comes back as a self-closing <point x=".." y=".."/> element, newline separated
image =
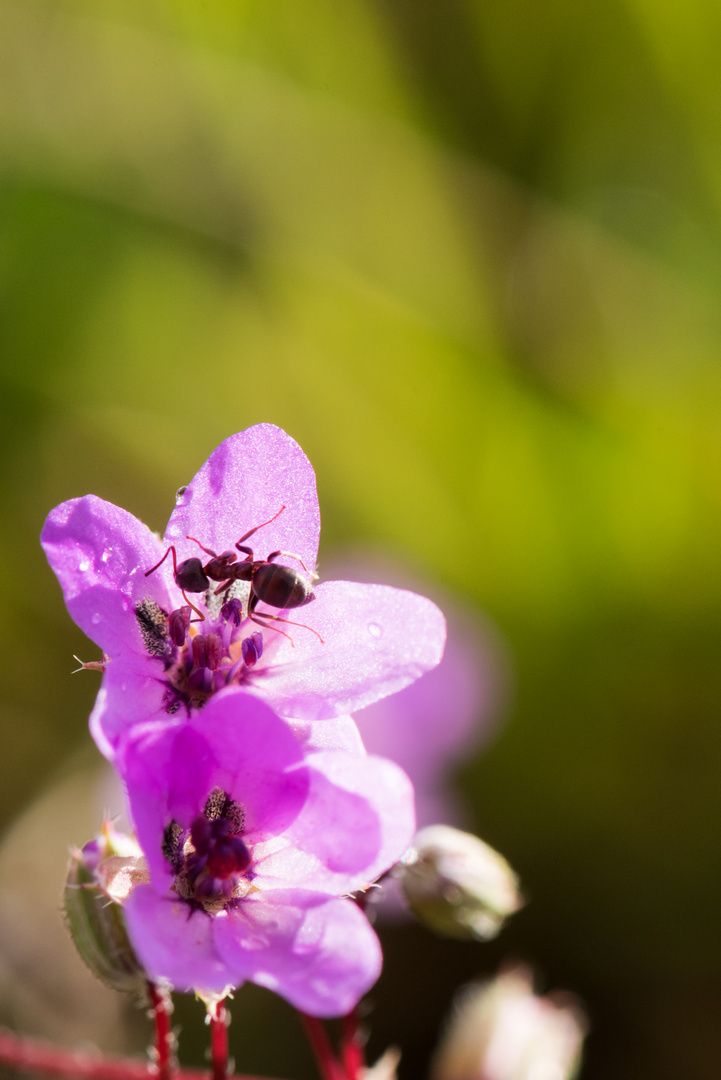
<point x="219" y="1018"/>
<point x="161" y="1006"/>
<point x="328" y="1066"/>
<point x="352" y="1049"/>
<point x="32" y="1056"/>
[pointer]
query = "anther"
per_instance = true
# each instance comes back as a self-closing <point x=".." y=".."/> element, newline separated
<point x="232" y="611"/>
<point x="214" y="651"/>
<point x="207" y="651"/>
<point x="200" y="651"/>
<point x="179" y="624"/>
<point x="252" y="649"/>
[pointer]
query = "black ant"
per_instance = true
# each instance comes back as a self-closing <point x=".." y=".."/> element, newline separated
<point x="270" y="582"/>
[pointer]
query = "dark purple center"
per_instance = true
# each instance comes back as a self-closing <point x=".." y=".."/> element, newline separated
<point x="218" y="852"/>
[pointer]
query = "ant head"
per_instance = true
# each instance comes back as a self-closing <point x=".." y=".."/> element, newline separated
<point x="190" y="576"/>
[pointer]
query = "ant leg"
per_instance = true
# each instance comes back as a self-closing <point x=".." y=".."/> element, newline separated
<point x="201" y="616"/>
<point x="279" y="618"/>
<point x="266" y="626"/>
<point x="246" y="536"/>
<point x="223" y="587"/>
<point x="154" y="568"/>
<point x="289" y="555"/>
<point x="253" y="601"/>
<point x="246" y="550"/>
<point x="208" y="551"/>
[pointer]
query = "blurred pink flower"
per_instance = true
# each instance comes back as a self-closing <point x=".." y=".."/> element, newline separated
<point x="449" y="713"/>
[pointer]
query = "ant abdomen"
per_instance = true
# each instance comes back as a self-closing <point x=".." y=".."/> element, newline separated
<point x="280" y="587"/>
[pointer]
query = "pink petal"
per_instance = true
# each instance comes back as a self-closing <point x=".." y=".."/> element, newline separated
<point x="132" y="692"/>
<point x="175" y="943"/>
<point x="357" y="822"/>
<point x="235" y="743"/>
<point x="321" y="956"/>
<point x="339" y="734"/>
<point x="244" y="482"/>
<point x="445" y="714"/>
<point x="376" y="640"/>
<point x="99" y="554"/>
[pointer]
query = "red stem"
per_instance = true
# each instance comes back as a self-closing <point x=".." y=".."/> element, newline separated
<point x="353" y="1056"/>
<point x="219" y="1019"/>
<point x="330" y="1068"/>
<point x="161" y="1006"/>
<point x="32" y="1056"/>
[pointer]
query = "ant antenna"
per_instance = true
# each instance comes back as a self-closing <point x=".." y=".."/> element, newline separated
<point x="246" y="536"/>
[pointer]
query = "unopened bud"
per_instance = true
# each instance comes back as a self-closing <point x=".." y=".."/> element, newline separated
<point x="457" y="885"/>
<point x="501" y="1030"/>
<point x="385" y="1068"/>
<point x="100" y="876"/>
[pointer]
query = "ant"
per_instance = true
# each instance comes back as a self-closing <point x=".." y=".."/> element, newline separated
<point x="270" y="582"/>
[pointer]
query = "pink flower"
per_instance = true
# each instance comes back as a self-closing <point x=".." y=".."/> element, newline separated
<point x="253" y="843"/>
<point x="348" y="645"/>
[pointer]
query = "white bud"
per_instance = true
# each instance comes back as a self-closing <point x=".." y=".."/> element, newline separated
<point x="457" y="885"/>
<point x="386" y="1066"/>
<point x="501" y="1030"/>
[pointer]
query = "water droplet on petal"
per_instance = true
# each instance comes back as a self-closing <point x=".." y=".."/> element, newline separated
<point x="180" y="492"/>
<point x="374" y="629"/>
<point x="84" y="565"/>
<point x="95" y="619"/>
<point x="107" y="553"/>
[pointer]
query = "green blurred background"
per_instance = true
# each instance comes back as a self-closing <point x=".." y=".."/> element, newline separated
<point x="468" y="253"/>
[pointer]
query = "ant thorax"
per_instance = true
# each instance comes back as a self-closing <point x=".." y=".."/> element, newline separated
<point x="207" y="644"/>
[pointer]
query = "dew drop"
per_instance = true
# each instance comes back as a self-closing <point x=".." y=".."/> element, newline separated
<point x="180" y="492"/>
<point x="84" y="565"/>
<point x="95" y="619"/>
<point x="374" y="629"/>
<point x="106" y="554"/>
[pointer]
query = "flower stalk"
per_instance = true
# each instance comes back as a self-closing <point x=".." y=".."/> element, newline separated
<point x="328" y="1065"/>
<point x="161" y="1007"/>
<point x="218" y="1018"/>
<point x="352" y="1049"/>
<point x="32" y="1056"/>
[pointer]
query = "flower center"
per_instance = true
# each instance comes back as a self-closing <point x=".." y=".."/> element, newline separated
<point x="211" y="860"/>
<point x="200" y="658"/>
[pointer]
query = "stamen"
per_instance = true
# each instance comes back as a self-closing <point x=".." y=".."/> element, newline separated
<point x="214" y="651"/>
<point x="153" y="622"/>
<point x="252" y="649"/>
<point x="200" y="651"/>
<point x="179" y="624"/>
<point x="232" y="611"/>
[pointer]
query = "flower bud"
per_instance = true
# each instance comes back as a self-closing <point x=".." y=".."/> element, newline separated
<point x="503" y="1031"/>
<point x="457" y="885"/>
<point x="385" y="1068"/>
<point x="100" y="876"/>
